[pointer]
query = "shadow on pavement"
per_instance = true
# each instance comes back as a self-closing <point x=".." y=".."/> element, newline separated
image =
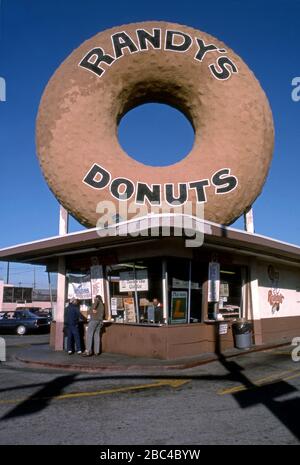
<point x="40" y="400"/>
<point x="286" y="411"/>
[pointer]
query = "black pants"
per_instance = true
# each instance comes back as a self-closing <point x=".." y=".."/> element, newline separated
<point x="73" y="333"/>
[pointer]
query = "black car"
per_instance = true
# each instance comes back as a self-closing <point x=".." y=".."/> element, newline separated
<point x="23" y="320"/>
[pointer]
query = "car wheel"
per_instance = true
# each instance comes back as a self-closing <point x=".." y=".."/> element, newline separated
<point x="21" y="330"/>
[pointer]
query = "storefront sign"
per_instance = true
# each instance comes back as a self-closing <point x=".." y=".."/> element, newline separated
<point x="275" y="297"/>
<point x="129" y="284"/>
<point x="180" y="284"/>
<point x="173" y="64"/>
<point x="179" y="307"/>
<point x="97" y="59"/>
<point x="97" y="282"/>
<point x="213" y="282"/>
<point x="223" y="328"/>
<point x="79" y="287"/>
<point x="99" y="177"/>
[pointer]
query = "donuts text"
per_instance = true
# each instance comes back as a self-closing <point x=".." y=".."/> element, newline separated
<point x="123" y="189"/>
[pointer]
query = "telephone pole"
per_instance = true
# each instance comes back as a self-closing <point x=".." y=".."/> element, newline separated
<point x="7" y="273"/>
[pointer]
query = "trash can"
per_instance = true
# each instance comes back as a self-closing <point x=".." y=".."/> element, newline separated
<point x="242" y="332"/>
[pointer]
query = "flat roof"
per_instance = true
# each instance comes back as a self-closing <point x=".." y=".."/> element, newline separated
<point x="146" y="229"/>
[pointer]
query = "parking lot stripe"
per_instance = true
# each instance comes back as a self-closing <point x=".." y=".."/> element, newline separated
<point x="174" y="383"/>
<point x="262" y="381"/>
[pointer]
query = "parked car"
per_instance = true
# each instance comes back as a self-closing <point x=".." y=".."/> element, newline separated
<point x="45" y="312"/>
<point x="23" y="320"/>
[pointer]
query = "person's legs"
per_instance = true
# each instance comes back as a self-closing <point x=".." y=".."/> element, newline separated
<point x="70" y="339"/>
<point x="97" y="338"/>
<point x="77" y="338"/>
<point x="90" y="336"/>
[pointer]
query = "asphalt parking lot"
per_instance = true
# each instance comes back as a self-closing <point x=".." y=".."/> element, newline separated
<point x="248" y="399"/>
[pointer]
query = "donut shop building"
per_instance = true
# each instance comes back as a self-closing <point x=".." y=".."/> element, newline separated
<point x="198" y="289"/>
<point x="258" y="279"/>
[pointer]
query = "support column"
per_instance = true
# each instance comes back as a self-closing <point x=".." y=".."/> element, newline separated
<point x="249" y="221"/>
<point x="189" y="292"/>
<point x="254" y="302"/>
<point x="60" y="304"/>
<point x="63" y="221"/>
<point x="107" y="296"/>
<point x="244" y="313"/>
<point x="61" y="284"/>
<point x="136" y="297"/>
<point x="1" y="293"/>
<point x="204" y="310"/>
<point x="165" y="291"/>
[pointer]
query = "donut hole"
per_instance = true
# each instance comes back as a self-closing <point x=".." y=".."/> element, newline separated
<point x="156" y="134"/>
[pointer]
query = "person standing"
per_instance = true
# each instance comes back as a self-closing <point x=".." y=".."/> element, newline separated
<point x="158" y="311"/>
<point x="73" y="317"/>
<point x="94" y="327"/>
<point x="155" y="312"/>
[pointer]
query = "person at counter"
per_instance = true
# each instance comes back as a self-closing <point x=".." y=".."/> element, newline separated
<point x="155" y="312"/>
<point x="96" y="316"/>
<point x="72" y="319"/>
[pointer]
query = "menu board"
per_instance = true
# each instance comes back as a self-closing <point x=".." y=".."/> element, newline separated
<point x="127" y="282"/>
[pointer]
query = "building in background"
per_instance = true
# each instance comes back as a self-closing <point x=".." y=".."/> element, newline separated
<point x="17" y="296"/>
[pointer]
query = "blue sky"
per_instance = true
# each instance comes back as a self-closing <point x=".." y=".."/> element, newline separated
<point x="36" y="36"/>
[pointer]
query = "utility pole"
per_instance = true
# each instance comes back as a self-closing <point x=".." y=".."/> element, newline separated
<point x="7" y="273"/>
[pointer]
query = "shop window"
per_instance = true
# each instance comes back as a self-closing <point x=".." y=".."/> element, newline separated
<point x="186" y="279"/>
<point x="8" y="294"/>
<point x="230" y="292"/>
<point x="136" y="292"/>
<point x="178" y="286"/>
<point x="27" y="295"/>
<point x="199" y="275"/>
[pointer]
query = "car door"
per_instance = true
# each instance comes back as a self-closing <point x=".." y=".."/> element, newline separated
<point x="22" y="318"/>
<point x="3" y="321"/>
<point x="7" y="320"/>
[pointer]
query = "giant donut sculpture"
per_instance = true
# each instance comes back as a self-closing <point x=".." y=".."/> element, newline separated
<point x="123" y="67"/>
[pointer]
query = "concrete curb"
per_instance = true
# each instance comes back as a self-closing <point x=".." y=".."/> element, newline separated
<point x="139" y="367"/>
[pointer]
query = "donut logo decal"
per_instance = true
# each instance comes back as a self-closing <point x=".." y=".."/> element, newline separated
<point x="97" y="60"/>
<point x="123" y="67"/>
<point x="275" y="297"/>
<point x="99" y="178"/>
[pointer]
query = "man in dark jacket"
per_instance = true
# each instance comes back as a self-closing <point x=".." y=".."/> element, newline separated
<point x="94" y="327"/>
<point x="73" y="318"/>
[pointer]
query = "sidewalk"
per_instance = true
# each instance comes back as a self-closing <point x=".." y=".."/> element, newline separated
<point x="42" y="356"/>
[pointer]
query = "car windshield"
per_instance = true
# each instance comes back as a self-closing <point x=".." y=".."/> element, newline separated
<point x="28" y="312"/>
<point x="24" y="313"/>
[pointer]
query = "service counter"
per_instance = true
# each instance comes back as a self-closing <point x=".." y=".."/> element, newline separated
<point x="165" y="342"/>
